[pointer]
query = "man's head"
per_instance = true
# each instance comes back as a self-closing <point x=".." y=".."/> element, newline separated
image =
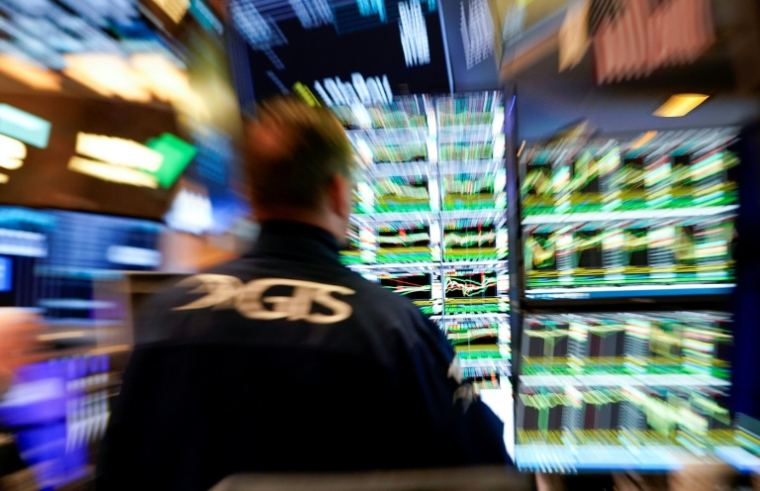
<point x="300" y="165"/>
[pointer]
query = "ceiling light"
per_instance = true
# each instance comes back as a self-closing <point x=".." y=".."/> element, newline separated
<point x="680" y="105"/>
<point x="645" y="138"/>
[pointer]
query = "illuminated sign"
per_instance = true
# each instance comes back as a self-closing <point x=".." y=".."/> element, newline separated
<point x="108" y="75"/>
<point x="477" y="31"/>
<point x="312" y="13"/>
<point x="414" y="37"/>
<point x="118" y="160"/>
<point x="119" y="151"/>
<point x="32" y="75"/>
<point x="158" y="163"/>
<point x="12" y="153"/>
<point x="23" y="126"/>
<point x="372" y="90"/>
<point x="113" y="173"/>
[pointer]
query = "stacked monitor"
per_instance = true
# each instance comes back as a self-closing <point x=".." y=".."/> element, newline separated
<point x="626" y="245"/>
<point x="50" y="259"/>
<point x="624" y="357"/>
<point x="430" y="217"/>
<point x="609" y="219"/>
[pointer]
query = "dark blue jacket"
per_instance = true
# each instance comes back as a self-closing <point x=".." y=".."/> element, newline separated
<point x="285" y="361"/>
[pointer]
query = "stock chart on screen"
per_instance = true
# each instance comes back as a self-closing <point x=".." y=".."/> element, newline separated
<point x="475" y="292"/>
<point x="473" y="240"/>
<point x="418" y="288"/>
<point x="611" y="219"/>
<point x="430" y="223"/>
<point x="429" y="220"/>
<point x="625" y="390"/>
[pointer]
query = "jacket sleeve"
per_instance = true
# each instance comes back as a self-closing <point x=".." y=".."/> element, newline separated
<point x="461" y="428"/>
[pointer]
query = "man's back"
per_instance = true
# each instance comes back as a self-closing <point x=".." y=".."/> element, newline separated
<point x="286" y="361"/>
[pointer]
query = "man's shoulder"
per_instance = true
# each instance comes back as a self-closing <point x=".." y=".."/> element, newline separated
<point x="259" y="292"/>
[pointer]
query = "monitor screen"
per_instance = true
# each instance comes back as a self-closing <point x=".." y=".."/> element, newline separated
<point x="474" y="240"/>
<point x="6" y="274"/>
<point x="336" y="53"/>
<point x="625" y="390"/>
<point x="677" y="256"/>
<point x="404" y="243"/>
<point x="416" y="287"/>
<point x="84" y="247"/>
<point x="474" y="192"/>
<point x="610" y="219"/>
<point x="471" y="290"/>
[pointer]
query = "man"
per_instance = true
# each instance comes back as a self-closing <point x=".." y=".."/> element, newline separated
<point x="285" y="360"/>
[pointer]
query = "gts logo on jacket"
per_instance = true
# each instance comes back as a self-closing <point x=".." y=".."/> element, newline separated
<point x="250" y="301"/>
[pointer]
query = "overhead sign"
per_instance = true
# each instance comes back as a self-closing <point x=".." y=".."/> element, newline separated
<point x="119" y="151"/>
<point x="158" y="163"/>
<point x="176" y="156"/>
<point x="23" y="126"/>
<point x="117" y="160"/>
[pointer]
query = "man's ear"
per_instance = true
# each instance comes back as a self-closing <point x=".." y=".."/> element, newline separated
<point x="340" y="196"/>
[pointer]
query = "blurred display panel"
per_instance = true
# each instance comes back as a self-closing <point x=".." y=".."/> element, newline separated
<point x="58" y="428"/>
<point x="363" y="52"/>
<point x="44" y="177"/>
<point x="124" y="99"/>
<point x="419" y="288"/>
<point x="618" y="219"/>
<point x="476" y="290"/>
<point x="55" y="257"/>
<point x="429" y="220"/>
<point x="53" y="266"/>
<point x="465" y="240"/>
<point x="634" y="391"/>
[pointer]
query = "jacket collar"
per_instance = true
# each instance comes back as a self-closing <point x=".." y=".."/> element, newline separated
<point x="295" y="240"/>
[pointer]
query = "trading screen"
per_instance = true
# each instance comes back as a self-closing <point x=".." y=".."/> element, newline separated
<point x="418" y="288"/>
<point x="616" y="219"/>
<point x="474" y="240"/>
<point x="471" y="291"/>
<point x="626" y="390"/>
<point x="429" y="222"/>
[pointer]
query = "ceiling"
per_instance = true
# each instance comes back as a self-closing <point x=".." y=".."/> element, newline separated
<point x="548" y="101"/>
